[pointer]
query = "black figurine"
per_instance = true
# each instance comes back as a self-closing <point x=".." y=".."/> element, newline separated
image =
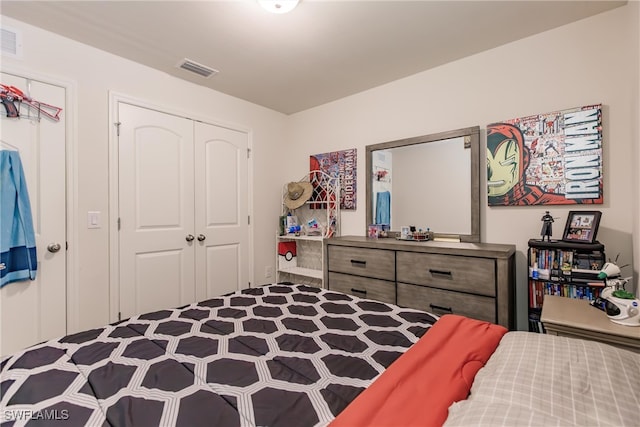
<point x="547" y="220"/>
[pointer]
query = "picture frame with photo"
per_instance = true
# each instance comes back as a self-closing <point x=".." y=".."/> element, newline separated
<point x="582" y="226"/>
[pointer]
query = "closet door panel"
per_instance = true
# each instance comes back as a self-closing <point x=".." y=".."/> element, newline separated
<point x="222" y="268"/>
<point x="223" y="187"/>
<point x="156" y="202"/>
<point x="221" y="210"/>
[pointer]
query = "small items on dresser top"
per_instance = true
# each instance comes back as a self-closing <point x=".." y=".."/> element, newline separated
<point x="409" y="232"/>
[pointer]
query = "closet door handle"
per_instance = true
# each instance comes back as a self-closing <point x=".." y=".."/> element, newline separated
<point x="189" y="238"/>
<point x="201" y="237"/>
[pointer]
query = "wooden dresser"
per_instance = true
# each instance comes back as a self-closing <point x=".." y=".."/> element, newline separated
<point x="471" y="279"/>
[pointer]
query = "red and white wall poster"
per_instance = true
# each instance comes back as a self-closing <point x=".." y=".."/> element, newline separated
<point x="546" y="159"/>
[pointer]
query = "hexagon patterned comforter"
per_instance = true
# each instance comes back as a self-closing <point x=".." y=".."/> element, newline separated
<point x="278" y="355"/>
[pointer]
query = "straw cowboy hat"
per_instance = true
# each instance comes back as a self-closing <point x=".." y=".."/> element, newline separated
<point x="297" y="194"/>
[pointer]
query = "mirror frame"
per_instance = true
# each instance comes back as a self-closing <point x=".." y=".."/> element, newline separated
<point x="472" y="138"/>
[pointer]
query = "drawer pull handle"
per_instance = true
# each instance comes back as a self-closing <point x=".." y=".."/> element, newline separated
<point x="437" y="307"/>
<point x="440" y="272"/>
<point x="359" y="263"/>
<point x="359" y="291"/>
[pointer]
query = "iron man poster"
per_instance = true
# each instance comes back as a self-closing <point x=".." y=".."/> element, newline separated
<point x="546" y="159"/>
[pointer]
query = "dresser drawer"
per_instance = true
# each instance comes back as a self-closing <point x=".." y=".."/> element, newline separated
<point x="458" y="273"/>
<point x="376" y="263"/>
<point x="440" y="302"/>
<point x="363" y="287"/>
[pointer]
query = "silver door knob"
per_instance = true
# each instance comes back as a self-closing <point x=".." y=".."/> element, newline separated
<point x="189" y="238"/>
<point x="54" y="247"/>
<point x="201" y="237"/>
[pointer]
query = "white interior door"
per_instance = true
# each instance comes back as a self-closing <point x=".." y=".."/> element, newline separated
<point x="34" y="311"/>
<point x="156" y="200"/>
<point x="221" y="210"/>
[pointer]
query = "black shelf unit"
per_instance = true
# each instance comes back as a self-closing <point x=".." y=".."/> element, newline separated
<point x="562" y="268"/>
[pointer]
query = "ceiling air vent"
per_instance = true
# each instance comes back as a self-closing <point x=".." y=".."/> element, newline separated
<point x="11" y="42"/>
<point x="194" y="67"/>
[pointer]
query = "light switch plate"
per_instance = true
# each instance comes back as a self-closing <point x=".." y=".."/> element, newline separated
<point x="93" y="219"/>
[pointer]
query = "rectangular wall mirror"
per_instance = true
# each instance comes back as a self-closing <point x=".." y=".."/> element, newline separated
<point x="429" y="181"/>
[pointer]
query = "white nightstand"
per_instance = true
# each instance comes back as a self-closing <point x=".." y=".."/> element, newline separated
<point x="576" y="318"/>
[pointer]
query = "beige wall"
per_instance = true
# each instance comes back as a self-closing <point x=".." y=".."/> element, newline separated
<point x="588" y="62"/>
<point x="592" y="61"/>
<point x="93" y="74"/>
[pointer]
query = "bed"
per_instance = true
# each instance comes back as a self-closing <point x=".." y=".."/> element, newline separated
<point x="296" y="355"/>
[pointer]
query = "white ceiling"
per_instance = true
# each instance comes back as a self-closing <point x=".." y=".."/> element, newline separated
<point x="320" y="52"/>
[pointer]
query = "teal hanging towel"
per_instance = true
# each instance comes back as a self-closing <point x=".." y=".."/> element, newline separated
<point x="383" y="208"/>
<point x="18" y="259"/>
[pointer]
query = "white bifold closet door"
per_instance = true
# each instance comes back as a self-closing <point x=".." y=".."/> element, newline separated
<point x="183" y="210"/>
<point x="32" y="311"/>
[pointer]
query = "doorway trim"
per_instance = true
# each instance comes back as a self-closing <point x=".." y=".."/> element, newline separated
<point x="114" y="254"/>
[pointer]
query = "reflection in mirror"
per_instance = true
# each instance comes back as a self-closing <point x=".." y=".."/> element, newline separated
<point x="430" y="182"/>
<point x="398" y="174"/>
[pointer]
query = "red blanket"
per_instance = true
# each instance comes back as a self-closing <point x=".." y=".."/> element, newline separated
<point x="418" y="388"/>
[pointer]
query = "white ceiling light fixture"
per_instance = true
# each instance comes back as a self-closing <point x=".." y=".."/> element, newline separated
<point x="278" y="6"/>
